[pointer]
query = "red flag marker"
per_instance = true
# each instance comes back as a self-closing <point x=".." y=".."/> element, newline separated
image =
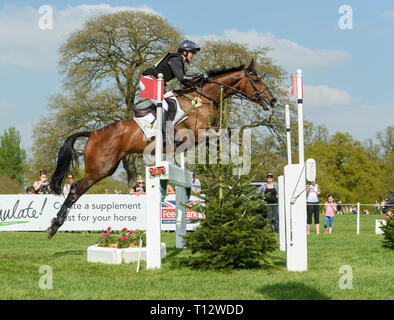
<point x="151" y="88"/>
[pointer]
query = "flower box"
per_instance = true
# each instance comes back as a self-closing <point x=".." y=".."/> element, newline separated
<point x="117" y="256"/>
<point x="379" y="223"/>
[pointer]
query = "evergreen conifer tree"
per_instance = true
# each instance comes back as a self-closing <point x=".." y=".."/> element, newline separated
<point x="234" y="232"/>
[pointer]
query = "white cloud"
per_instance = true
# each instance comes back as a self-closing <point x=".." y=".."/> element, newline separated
<point x="5" y="108"/>
<point x="325" y="96"/>
<point x="24" y="44"/>
<point x="285" y="52"/>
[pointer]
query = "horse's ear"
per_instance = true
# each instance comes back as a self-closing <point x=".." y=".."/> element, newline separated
<point x="251" y="65"/>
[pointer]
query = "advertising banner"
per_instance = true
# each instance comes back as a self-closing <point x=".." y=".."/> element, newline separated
<point x="90" y="212"/>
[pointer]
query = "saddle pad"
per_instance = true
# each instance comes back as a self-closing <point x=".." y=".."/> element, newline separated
<point x="146" y="119"/>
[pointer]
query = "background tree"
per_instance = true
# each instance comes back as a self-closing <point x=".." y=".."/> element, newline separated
<point x="12" y="156"/>
<point x="386" y="148"/>
<point x="345" y="169"/>
<point x="101" y="64"/>
<point x="268" y="134"/>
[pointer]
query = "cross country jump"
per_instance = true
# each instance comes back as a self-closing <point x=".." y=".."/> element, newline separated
<point x="107" y="146"/>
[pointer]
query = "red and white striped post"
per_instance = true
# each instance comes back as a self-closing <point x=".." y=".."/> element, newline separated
<point x="297" y="90"/>
<point x="154" y="90"/>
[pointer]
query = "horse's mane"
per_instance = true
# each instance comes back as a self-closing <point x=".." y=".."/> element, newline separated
<point x="213" y="73"/>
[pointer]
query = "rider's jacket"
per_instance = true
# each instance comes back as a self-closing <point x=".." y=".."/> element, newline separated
<point x="170" y="66"/>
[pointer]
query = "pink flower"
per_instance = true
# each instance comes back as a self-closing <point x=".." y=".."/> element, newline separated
<point x="124" y="229"/>
<point x="124" y="238"/>
<point x="109" y="228"/>
<point x="106" y="234"/>
<point x="130" y="232"/>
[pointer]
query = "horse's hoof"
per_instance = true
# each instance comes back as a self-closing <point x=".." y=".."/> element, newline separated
<point x="52" y="229"/>
<point x="50" y="232"/>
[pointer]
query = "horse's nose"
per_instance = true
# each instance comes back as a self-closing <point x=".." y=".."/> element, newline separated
<point x="272" y="102"/>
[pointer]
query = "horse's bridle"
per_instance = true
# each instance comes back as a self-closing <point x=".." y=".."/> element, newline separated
<point x="257" y="94"/>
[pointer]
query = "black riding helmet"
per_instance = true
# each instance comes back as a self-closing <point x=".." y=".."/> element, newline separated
<point x="188" y="45"/>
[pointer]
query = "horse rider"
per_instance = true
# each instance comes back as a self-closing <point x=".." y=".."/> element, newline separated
<point x="173" y="66"/>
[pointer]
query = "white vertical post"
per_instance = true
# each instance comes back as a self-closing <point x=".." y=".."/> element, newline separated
<point x="282" y="218"/>
<point x="300" y="117"/>
<point x="287" y="121"/>
<point x="358" y="217"/>
<point x="153" y="221"/>
<point x="153" y="205"/>
<point x="295" y="200"/>
<point x="181" y="199"/>
<point x="159" y="120"/>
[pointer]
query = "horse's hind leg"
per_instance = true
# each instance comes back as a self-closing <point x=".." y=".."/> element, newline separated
<point x="76" y="191"/>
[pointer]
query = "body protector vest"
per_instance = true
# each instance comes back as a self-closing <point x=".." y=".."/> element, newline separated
<point x="164" y="67"/>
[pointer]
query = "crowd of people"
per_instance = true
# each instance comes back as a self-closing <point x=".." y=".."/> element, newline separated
<point x="42" y="186"/>
<point x="269" y="189"/>
<point x="330" y="207"/>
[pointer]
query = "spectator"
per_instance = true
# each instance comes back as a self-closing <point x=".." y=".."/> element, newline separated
<point x="383" y="205"/>
<point x="271" y="191"/>
<point x="106" y="191"/>
<point x="67" y="186"/>
<point x="42" y="186"/>
<point x="139" y="188"/>
<point x="339" y="207"/>
<point x="30" y="190"/>
<point x="312" y="202"/>
<point x="377" y="207"/>
<point x="366" y="211"/>
<point x="330" y="207"/>
<point x="196" y="185"/>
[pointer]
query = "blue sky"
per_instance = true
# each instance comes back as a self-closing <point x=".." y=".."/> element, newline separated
<point x="348" y="73"/>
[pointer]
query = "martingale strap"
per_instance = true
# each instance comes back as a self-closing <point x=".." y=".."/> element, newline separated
<point x="196" y="102"/>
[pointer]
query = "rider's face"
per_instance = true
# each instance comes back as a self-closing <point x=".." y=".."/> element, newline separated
<point x="189" y="56"/>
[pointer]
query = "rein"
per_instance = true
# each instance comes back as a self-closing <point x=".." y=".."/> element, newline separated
<point x="256" y="94"/>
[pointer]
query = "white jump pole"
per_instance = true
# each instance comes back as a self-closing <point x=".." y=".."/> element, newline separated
<point x="288" y="137"/>
<point x="295" y="197"/>
<point x="282" y="216"/>
<point x="153" y="205"/>
<point x="159" y="123"/>
<point x="181" y="200"/>
<point x="300" y="117"/>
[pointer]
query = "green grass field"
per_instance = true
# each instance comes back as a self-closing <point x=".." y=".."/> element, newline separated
<point x="23" y="253"/>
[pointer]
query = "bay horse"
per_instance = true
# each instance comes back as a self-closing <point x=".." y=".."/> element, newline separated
<point x="106" y="147"/>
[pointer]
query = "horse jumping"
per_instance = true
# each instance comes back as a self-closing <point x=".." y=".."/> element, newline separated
<point x="107" y="146"/>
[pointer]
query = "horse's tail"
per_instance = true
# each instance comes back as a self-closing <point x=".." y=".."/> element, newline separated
<point x="66" y="156"/>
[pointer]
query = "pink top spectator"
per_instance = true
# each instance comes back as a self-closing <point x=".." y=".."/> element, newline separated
<point x="330" y="208"/>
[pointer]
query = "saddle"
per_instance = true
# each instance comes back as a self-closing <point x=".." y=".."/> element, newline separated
<point x="139" y="113"/>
